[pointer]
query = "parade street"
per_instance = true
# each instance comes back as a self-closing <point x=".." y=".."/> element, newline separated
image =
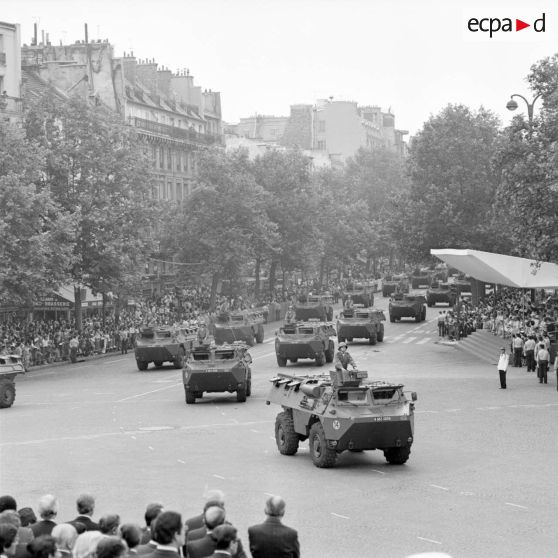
<point x="478" y="482"/>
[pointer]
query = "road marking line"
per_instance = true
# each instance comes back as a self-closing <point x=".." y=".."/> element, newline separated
<point x="180" y="461"/>
<point x="452" y="410"/>
<point x="219" y="477"/>
<point x="133" y="437"/>
<point x="255" y="431"/>
<point x="272" y="438"/>
<point x="409" y="340"/>
<point x="440" y="487"/>
<point x="379" y="472"/>
<point x="425" y="340"/>
<point x="339" y="515"/>
<point x="263" y="356"/>
<point x="148" y="392"/>
<point x="151" y="448"/>
<point x="429" y="540"/>
<point x="269" y="494"/>
<point x="516" y="506"/>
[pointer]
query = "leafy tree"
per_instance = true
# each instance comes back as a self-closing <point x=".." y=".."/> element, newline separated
<point x="453" y="182"/>
<point x="527" y="200"/>
<point x="36" y="235"/>
<point x="97" y="172"/>
<point x="225" y="223"/>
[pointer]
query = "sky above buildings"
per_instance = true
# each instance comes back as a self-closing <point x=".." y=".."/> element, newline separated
<point x="413" y="56"/>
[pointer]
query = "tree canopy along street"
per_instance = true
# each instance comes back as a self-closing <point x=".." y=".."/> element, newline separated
<point x="476" y="483"/>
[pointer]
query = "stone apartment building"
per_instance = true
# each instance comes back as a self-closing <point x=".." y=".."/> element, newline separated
<point x="10" y="73"/>
<point x="329" y="130"/>
<point x="173" y="116"/>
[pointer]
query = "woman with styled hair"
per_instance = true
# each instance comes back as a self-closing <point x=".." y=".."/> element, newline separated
<point x="86" y="544"/>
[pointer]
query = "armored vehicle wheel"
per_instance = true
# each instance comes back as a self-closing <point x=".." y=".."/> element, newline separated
<point x="330" y="353"/>
<point x="7" y="394"/>
<point x="430" y="303"/>
<point x="142" y="364"/>
<point x="418" y="317"/>
<point x="397" y="456"/>
<point x="294" y="360"/>
<point x="349" y="339"/>
<point x="373" y="339"/>
<point x="281" y="361"/>
<point x="158" y="363"/>
<point x="249" y="386"/>
<point x="423" y="314"/>
<point x="285" y="435"/>
<point x="241" y="394"/>
<point x="322" y="456"/>
<point x="260" y="335"/>
<point x="391" y="319"/>
<point x="330" y="315"/>
<point x="179" y="360"/>
<point x="340" y="339"/>
<point x="381" y="333"/>
<point x="384" y="293"/>
<point x="251" y="341"/>
<point x="321" y="359"/>
<point x="190" y="397"/>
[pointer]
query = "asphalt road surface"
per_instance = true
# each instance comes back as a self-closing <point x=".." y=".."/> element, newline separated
<point x="481" y="480"/>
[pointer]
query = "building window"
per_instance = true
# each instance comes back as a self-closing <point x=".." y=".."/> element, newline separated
<point x="161" y="158"/>
<point x="321" y="126"/>
<point x="321" y="145"/>
<point x="178" y="161"/>
<point x="154" y="157"/>
<point x="179" y="195"/>
<point x="169" y="159"/>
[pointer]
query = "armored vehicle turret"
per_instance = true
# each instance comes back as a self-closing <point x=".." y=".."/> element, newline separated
<point x="10" y="367"/>
<point x="361" y="323"/>
<point x="218" y="368"/>
<point x="245" y="325"/>
<point x="342" y="411"/>
<point x="163" y="344"/>
<point x="309" y="339"/>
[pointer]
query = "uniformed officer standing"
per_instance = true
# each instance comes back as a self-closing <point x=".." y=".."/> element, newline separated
<point x="343" y="358"/>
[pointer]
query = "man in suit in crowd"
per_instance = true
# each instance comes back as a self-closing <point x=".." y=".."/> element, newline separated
<point x="168" y="534"/>
<point x="272" y="539"/>
<point x="85" y="505"/>
<point x="47" y="511"/>
<point x="214" y="498"/>
<point x="151" y="512"/>
<point x="226" y="541"/>
<point x="204" y="546"/>
<point x="131" y="535"/>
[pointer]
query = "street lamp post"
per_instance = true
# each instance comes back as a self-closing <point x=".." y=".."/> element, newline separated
<point x="512" y="105"/>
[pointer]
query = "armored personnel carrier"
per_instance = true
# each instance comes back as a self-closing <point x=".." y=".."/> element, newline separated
<point x="361" y="323"/>
<point x="341" y="411"/>
<point x="440" y="292"/>
<point x="163" y="344"/>
<point x="246" y="325"/>
<point x="10" y="367"/>
<point x="395" y="283"/>
<point x="359" y="293"/>
<point x="218" y="368"/>
<point x="309" y="339"/>
<point x="314" y="307"/>
<point x="421" y="278"/>
<point x="407" y="306"/>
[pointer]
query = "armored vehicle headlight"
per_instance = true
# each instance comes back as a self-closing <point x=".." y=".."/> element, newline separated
<point x="410" y="439"/>
<point x="414" y="395"/>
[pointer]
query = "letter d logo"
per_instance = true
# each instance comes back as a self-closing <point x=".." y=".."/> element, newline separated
<point x="539" y="24"/>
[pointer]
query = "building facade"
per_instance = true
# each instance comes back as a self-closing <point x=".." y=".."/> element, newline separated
<point x="10" y="72"/>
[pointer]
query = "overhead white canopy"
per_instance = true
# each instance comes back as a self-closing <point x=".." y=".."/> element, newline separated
<point x="500" y="269"/>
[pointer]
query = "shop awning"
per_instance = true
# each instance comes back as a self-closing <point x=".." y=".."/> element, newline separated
<point x="500" y="269"/>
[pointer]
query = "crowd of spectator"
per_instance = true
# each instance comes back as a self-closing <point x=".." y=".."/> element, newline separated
<point x="23" y="534"/>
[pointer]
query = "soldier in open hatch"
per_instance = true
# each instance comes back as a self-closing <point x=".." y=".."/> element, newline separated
<point x="343" y="358"/>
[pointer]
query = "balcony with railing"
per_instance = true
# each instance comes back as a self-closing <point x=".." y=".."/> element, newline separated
<point x="166" y="131"/>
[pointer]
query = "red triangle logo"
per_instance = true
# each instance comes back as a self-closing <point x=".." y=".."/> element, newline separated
<point x="519" y="25"/>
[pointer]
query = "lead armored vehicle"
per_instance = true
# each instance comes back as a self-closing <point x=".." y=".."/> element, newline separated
<point x="10" y="367"/>
<point x="395" y="283"/>
<point x="342" y="411"/>
<point x="218" y="368"/>
<point x="361" y="323"/>
<point x="440" y="292"/>
<point x="407" y="306"/>
<point x="314" y="307"/>
<point x="159" y="344"/>
<point x="246" y="325"/>
<point x="309" y="339"/>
